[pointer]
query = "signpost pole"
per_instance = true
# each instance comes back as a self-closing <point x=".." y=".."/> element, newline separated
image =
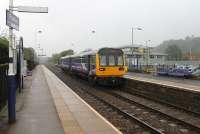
<point x="11" y="76"/>
<point x="13" y="22"/>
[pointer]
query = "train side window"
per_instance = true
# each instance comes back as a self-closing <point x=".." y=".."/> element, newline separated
<point x="83" y="60"/>
<point x="78" y="60"/>
<point x="119" y="60"/>
<point x="111" y="60"/>
<point x="103" y="60"/>
<point x="92" y="62"/>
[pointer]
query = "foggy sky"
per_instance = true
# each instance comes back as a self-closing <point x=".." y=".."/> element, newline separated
<point x="69" y="22"/>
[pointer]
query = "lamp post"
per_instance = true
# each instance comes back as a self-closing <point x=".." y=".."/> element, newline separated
<point x="36" y="40"/>
<point x="139" y="29"/>
<point x="133" y="28"/>
<point x="147" y="53"/>
<point x="93" y="38"/>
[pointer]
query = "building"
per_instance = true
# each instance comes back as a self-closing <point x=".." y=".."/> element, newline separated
<point x="139" y="56"/>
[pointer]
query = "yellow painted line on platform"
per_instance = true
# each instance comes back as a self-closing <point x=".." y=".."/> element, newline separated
<point x="69" y="124"/>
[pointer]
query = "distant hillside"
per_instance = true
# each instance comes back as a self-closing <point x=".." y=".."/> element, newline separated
<point x="186" y="44"/>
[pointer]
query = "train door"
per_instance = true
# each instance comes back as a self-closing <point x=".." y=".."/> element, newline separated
<point x="92" y="65"/>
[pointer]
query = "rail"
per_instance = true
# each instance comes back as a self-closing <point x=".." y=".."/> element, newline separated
<point x="140" y="122"/>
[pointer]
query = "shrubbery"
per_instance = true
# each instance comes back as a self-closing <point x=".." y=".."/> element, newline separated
<point x="31" y="57"/>
<point x="3" y="50"/>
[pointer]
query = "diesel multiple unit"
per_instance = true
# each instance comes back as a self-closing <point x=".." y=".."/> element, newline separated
<point x="107" y="65"/>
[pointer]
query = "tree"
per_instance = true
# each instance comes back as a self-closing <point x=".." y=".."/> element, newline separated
<point x="189" y="44"/>
<point x="3" y="50"/>
<point x="55" y="57"/>
<point x="31" y="57"/>
<point x="3" y="43"/>
<point x="173" y="52"/>
<point x="66" y="52"/>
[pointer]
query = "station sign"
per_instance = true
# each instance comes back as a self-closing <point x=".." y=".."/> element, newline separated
<point x="12" y="20"/>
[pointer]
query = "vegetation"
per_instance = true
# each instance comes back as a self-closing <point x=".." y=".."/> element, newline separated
<point x="55" y="57"/>
<point x="3" y="50"/>
<point x="190" y="46"/>
<point x="3" y="43"/>
<point x="29" y="54"/>
<point x="31" y="58"/>
<point x="173" y="52"/>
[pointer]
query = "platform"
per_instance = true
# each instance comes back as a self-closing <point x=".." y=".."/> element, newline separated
<point x="51" y="107"/>
<point x="75" y="114"/>
<point x="181" y="83"/>
<point x="37" y="114"/>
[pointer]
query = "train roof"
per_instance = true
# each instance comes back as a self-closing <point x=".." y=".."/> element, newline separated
<point x="83" y="53"/>
<point x="87" y="52"/>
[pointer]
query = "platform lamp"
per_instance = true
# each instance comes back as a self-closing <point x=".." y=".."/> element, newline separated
<point x="36" y="40"/>
<point x="132" y="30"/>
<point x="147" y="52"/>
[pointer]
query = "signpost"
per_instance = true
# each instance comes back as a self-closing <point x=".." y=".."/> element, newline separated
<point x="12" y="20"/>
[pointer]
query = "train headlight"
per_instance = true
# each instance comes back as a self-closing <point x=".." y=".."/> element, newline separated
<point x="102" y="69"/>
<point x="121" y="69"/>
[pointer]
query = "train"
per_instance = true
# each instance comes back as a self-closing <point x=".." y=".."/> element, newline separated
<point x="103" y="66"/>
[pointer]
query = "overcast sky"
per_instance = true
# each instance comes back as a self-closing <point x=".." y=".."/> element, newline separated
<point x="69" y="23"/>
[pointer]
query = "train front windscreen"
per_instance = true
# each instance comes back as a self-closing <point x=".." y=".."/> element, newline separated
<point x="111" y="57"/>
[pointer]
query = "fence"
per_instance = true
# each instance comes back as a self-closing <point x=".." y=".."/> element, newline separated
<point x="3" y="75"/>
<point x="3" y="85"/>
<point x="183" y="62"/>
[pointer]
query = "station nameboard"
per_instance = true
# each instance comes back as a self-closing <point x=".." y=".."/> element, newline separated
<point x="12" y="20"/>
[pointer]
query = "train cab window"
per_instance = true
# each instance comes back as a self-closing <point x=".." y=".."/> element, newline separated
<point x="103" y="60"/>
<point x="120" y="60"/>
<point x="111" y="60"/>
<point x="93" y="62"/>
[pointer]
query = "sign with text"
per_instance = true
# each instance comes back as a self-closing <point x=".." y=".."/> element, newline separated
<point x="12" y="20"/>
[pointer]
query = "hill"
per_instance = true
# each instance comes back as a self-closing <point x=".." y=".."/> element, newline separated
<point x="186" y="45"/>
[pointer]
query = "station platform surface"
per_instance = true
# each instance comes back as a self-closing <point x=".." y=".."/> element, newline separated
<point x="182" y="83"/>
<point x="75" y="114"/>
<point x="38" y="114"/>
<point x="51" y="107"/>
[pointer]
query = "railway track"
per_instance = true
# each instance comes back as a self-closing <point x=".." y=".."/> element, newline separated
<point x="139" y="118"/>
<point x="152" y="119"/>
<point x="123" y="123"/>
<point x="193" y="125"/>
<point x="125" y="113"/>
